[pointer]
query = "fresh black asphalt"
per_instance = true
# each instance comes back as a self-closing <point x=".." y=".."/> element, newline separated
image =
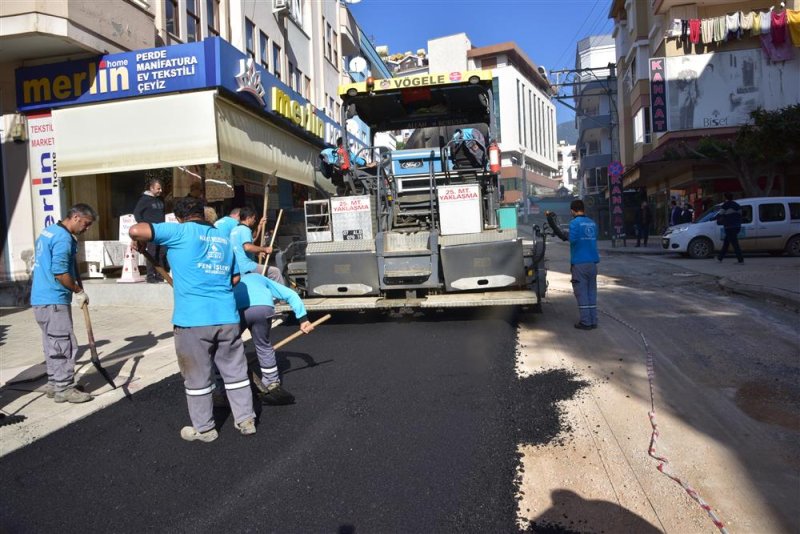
<point x="399" y="426"/>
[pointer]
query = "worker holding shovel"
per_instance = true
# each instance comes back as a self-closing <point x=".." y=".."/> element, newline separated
<point x="243" y="243"/>
<point x="55" y="280"/>
<point x="205" y="316"/>
<point x="255" y="296"/>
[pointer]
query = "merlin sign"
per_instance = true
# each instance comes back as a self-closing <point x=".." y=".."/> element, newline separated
<point x="213" y="63"/>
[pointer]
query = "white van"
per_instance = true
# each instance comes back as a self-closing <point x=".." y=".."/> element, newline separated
<point x="769" y="224"/>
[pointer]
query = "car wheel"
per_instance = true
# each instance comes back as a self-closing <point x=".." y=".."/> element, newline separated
<point x="793" y="246"/>
<point x="700" y="247"/>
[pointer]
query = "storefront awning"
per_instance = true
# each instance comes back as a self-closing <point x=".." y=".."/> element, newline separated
<point x="176" y="130"/>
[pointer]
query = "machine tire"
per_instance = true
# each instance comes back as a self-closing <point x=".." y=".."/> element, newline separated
<point x="793" y="246"/>
<point x="700" y="248"/>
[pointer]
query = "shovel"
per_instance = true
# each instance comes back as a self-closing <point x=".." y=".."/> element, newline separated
<point x="93" y="348"/>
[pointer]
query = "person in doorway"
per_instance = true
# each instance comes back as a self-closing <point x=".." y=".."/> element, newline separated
<point x="55" y="281"/>
<point x="687" y="213"/>
<point x="243" y="242"/>
<point x="730" y="218"/>
<point x="150" y="209"/>
<point x="674" y="214"/>
<point x="206" y="320"/>
<point x="583" y="258"/>
<point x="644" y="219"/>
<point x="255" y="299"/>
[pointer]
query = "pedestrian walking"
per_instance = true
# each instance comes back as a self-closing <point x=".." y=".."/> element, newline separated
<point x="55" y="281"/>
<point x="150" y="209"/>
<point x="205" y="316"/>
<point x="644" y="219"/>
<point x="583" y="258"/>
<point x="687" y="213"/>
<point x="730" y="218"/>
<point x="255" y="299"/>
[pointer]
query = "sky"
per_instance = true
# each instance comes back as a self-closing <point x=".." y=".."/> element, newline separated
<point x="547" y="30"/>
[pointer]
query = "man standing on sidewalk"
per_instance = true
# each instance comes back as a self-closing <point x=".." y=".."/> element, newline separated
<point x="730" y="218"/>
<point x="644" y="219"/>
<point x="205" y="316"/>
<point x="150" y="209"/>
<point x="583" y="258"/>
<point x="55" y="279"/>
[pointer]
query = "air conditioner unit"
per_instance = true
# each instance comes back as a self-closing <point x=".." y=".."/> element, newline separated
<point x="280" y="5"/>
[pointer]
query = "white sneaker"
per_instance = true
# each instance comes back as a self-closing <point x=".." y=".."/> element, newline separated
<point x="189" y="433"/>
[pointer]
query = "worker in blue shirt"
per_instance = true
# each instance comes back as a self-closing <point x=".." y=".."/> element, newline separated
<point x="55" y="281"/>
<point x="255" y="296"/>
<point x="584" y="258"/>
<point x="205" y="316"/>
<point x="240" y="223"/>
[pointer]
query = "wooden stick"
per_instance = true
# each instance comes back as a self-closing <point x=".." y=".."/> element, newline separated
<point x="159" y="269"/>
<point x="262" y="227"/>
<point x="271" y="241"/>
<point x="299" y="333"/>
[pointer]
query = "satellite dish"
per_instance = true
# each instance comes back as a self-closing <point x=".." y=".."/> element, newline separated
<point x="358" y="64"/>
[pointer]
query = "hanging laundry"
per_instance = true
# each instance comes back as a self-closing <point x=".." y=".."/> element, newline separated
<point x="793" y="20"/>
<point x="694" y="31"/>
<point x="756" y="31"/>
<point x="707" y="30"/>
<point x="732" y="26"/>
<point x="766" y="18"/>
<point x="778" y="27"/>
<point x="675" y="30"/>
<point x="720" y="29"/>
<point x="684" y="30"/>
<point x="777" y="52"/>
<point x="746" y="21"/>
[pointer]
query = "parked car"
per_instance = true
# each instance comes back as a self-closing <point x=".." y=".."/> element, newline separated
<point x="769" y="224"/>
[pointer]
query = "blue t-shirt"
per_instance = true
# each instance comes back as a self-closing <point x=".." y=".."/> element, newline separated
<point x="56" y="248"/>
<point x="583" y="241"/>
<point x="226" y="223"/>
<point x="257" y="290"/>
<point x="202" y="265"/>
<point x="240" y="236"/>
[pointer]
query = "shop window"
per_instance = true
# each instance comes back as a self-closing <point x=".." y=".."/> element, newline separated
<point x="263" y="50"/>
<point x="212" y="17"/>
<point x="276" y="61"/>
<point x="173" y="23"/>
<point x="772" y="212"/>
<point x="249" y="37"/>
<point x="192" y="22"/>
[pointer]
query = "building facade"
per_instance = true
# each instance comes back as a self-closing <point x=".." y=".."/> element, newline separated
<point x="227" y="95"/>
<point x="680" y="81"/>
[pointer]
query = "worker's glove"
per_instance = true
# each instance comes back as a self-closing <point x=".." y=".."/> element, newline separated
<point x="81" y="299"/>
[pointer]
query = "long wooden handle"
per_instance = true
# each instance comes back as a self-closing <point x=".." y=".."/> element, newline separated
<point x="159" y="269"/>
<point x="271" y="241"/>
<point x="299" y="333"/>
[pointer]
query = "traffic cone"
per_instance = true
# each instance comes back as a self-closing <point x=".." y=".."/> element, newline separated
<point x="130" y="267"/>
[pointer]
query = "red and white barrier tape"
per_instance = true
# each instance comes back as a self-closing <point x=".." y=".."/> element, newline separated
<point x="664" y="466"/>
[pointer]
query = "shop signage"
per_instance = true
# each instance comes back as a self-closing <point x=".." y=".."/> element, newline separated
<point x="212" y="63"/>
<point x="45" y="186"/>
<point x="615" y="170"/>
<point x="658" y="95"/>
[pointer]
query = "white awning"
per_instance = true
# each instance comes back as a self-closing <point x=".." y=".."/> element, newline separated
<point x="177" y="130"/>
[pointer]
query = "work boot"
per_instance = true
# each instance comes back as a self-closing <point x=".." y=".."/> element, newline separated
<point x="49" y="391"/>
<point x="189" y="433"/>
<point x="71" y="395"/>
<point x="246" y="428"/>
<point x="276" y="395"/>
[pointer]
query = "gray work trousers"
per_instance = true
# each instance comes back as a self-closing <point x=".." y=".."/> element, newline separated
<point x="60" y="345"/>
<point x="258" y="319"/>
<point x="273" y="273"/>
<point x="584" y="285"/>
<point x="196" y="348"/>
